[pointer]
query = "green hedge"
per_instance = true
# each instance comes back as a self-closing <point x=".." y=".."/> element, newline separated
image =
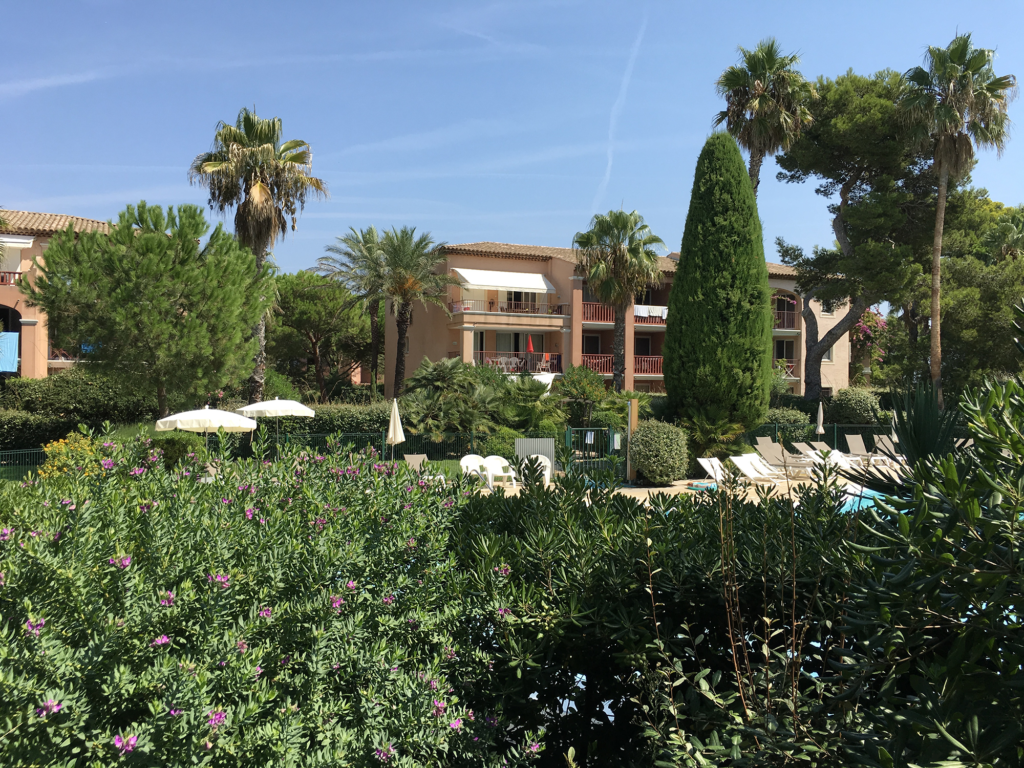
<point x="785" y="416"/>
<point x="502" y="443"/>
<point x="20" y="429"/>
<point x="852" y="406"/>
<point x="340" y="418"/>
<point x="658" y="451"/>
<point x="80" y="394"/>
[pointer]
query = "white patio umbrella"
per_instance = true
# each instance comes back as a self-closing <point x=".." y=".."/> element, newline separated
<point x="820" y="429"/>
<point x="277" y="408"/>
<point x="206" y="420"/>
<point x="395" y="433"/>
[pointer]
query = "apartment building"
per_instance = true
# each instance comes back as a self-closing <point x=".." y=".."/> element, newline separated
<point x="523" y="309"/>
<point x="26" y="236"/>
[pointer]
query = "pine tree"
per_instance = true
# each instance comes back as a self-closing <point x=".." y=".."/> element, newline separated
<point x="718" y="361"/>
<point x="150" y="302"/>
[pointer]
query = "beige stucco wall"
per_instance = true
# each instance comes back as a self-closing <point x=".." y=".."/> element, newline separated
<point x="34" y="343"/>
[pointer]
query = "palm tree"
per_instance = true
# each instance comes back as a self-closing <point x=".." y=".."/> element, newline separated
<point x="1005" y="240"/>
<point x="357" y="262"/>
<point x="411" y="274"/>
<point x="955" y="101"/>
<point x="765" y="102"/>
<point x="267" y="183"/>
<point x="617" y="256"/>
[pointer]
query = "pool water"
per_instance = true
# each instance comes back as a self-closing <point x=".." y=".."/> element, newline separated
<point x="865" y="498"/>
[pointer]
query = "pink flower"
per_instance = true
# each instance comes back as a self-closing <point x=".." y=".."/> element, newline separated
<point x="168" y="599"/>
<point x="34" y="627"/>
<point x="175" y="712"/>
<point x="5" y="534"/>
<point x="162" y="640"/>
<point x="121" y="563"/>
<point x="107" y="463"/>
<point x="220" y="579"/>
<point x="264" y="613"/>
<point x="456" y="724"/>
<point x="337" y="602"/>
<point x="138" y="471"/>
<point x="259" y="671"/>
<point x="248" y="514"/>
<point x="389" y="600"/>
<point x="49" y="707"/>
<point x="126" y="745"/>
<point x="242" y="646"/>
<point x="439" y="707"/>
<point x="216" y="718"/>
<point x="502" y="570"/>
<point x="384" y="754"/>
<point x="351" y="585"/>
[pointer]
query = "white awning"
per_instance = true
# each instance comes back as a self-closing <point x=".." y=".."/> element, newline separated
<point x="490" y="280"/>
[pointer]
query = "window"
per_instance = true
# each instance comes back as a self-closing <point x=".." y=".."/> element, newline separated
<point x="643" y="297"/>
<point x="785" y="349"/>
<point x="538" y="341"/>
<point x="643" y="386"/>
<point x="503" y="342"/>
<point x="517" y="301"/>
<point x="827" y="357"/>
<point x="588" y="296"/>
<point x="478" y="341"/>
<point x="826" y="391"/>
<point x="591" y="344"/>
<point x="642" y="346"/>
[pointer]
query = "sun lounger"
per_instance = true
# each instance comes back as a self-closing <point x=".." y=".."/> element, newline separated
<point x="714" y="468"/>
<point x="415" y="461"/>
<point x="859" y="450"/>
<point x="754" y="470"/>
<point x="776" y="457"/>
<point x="763" y="442"/>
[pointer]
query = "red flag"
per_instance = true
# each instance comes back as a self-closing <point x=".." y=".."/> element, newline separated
<point x="529" y="343"/>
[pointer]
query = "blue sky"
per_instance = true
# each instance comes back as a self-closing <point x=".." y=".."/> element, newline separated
<point x="513" y="121"/>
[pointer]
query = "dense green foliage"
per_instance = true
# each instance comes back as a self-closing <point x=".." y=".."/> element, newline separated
<point x="80" y="393"/>
<point x="581" y="388"/>
<point x="286" y="614"/>
<point x="785" y="416"/>
<point x="342" y="417"/>
<point x="318" y="330"/>
<point x="502" y="443"/>
<point x="23" y="429"/>
<point x="718" y="339"/>
<point x="658" y="451"/>
<point x="151" y="303"/>
<point x="853" y="405"/>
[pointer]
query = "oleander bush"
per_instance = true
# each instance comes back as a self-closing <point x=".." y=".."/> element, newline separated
<point x="301" y="612"/>
<point x="658" y="451"/>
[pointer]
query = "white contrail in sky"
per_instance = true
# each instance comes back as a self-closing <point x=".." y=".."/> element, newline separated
<point x="620" y="102"/>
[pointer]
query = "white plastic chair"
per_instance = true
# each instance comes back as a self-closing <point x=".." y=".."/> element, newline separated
<point x="545" y="464"/>
<point x="472" y="465"/>
<point x="495" y="468"/>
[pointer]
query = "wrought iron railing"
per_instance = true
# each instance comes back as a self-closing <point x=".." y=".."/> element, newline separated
<point x="508" y="307"/>
<point x="785" y="319"/>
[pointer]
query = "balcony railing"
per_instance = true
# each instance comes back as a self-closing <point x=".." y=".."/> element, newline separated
<point x="647" y="365"/>
<point x="9" y="278"/>
<point x="785" y="319"/>
<point x="521" y="362"/>
<point x="599" y="363"/>
<point x="790" y="366"/>
<point x="594" y="312"/>
<point x="60" y="356"/>
<point x="508" y="307"/>
<point x="649" y="320"/>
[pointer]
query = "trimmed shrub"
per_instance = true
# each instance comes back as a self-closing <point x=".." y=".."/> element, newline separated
<point x="717" y="352"/>
<point x="785" y="416"/>
<point x="852" y="406"/>
<point x="80" y="394"/>
<point x="341" y="418"/>
<point x="502" y="443"/>
<point x="658" y="451"/>
<point x="798" y="403"/>
<point x="21" y="430"/>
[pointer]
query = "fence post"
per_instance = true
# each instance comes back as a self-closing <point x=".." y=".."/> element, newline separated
<point x="383" y="444"/>
<point x="775" y="428"/>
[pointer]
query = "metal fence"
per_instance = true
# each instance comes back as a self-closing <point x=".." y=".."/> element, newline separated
<point x="591" y="448"/>
<point x="14" y="465"/>
<point x="834" y="435"/>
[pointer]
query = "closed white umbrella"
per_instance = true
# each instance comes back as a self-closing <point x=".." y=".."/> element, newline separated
<point x="820" y="429"/>
<point x="395" y="433"/>
<point x="278" y="408"/>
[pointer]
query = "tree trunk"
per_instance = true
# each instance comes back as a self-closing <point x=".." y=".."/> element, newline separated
<point x="815" y="349"/>
<point x="259" y="332"/>
<point x="161" y="401"/>
<point x="756" y="158"/>
<point x="936" y="338"/>
<point x="402" y="319"/>
<point x="318" y="368"/>
<point x="373" y="309"/>
<point x="619" y="350"/>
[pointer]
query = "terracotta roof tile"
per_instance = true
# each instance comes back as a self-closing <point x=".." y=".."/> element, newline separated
<point x="44" y="224"/>
<point x="774" y="270"/>
<point x="534" y="252"/>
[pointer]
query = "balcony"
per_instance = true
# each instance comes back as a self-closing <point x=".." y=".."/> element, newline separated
<point x="9" y="278"/>
<point x="594" y="312"/>
<point x="649" y="314"/>
<point x="521" y="362"/>
<point x="789" y="366"/>
<point x="647" y="365"/>
<point x="507" y="307"/>
<point x="599" y="363"/>
<point x="786" y="320"/>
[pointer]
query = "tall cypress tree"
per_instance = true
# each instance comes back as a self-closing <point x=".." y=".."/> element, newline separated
<point x="718" y="341"/>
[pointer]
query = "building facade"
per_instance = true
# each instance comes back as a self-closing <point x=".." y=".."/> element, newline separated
<point x="26" y="237"/>
<point x="523" y="309"/>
